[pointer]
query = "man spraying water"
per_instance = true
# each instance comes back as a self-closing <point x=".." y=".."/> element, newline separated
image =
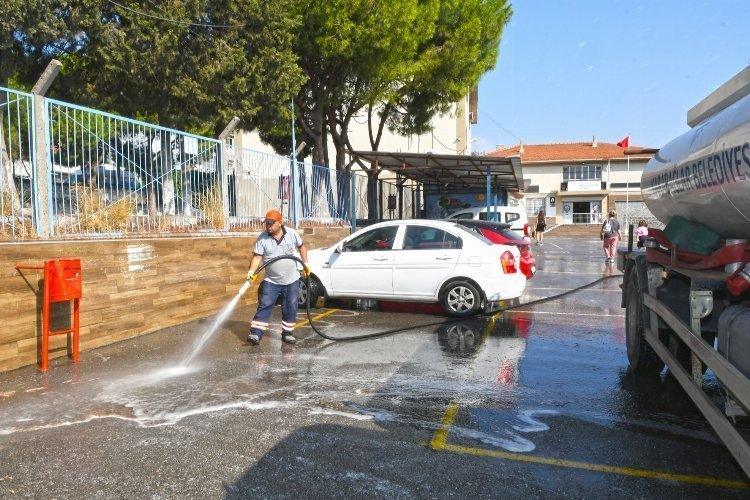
<point x="281" y="279"/>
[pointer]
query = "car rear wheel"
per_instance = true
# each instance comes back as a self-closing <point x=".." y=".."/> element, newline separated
<point x="461" y="298"/>
<point x="314" y="292"/>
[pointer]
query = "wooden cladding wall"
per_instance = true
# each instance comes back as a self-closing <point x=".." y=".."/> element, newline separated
<point x="130" y="287"/>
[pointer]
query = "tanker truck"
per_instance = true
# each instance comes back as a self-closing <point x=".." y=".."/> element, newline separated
<point x="686" y="294"/>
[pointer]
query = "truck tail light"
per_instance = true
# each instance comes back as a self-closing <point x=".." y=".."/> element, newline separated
<point x="508" y="262"/>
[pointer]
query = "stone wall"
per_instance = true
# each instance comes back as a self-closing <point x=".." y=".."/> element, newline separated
<point x="130" y="287"/>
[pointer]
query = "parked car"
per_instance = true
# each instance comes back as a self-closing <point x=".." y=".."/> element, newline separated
<point x="501" y="234"/>
<point x="515" y="216"/>
<point x="417" y="260"/>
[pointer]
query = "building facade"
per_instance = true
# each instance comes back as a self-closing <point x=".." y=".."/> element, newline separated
<point x="450" y="134"/>
<point x="575" y="183"/>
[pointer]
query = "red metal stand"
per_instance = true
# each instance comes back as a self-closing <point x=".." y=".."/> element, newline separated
<point x="62" y="283"/>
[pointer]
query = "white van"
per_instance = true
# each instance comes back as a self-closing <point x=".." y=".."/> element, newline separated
<point x="515" y="216"/>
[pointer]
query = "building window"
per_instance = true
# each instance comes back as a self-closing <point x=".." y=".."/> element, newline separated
<point x="534" y="205"/>
<point x="582" y="173"/>
<point x="623" y="185"/>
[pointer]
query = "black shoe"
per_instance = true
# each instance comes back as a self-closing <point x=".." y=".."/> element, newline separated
<point x="254" y="339"/>
<point x="288" y="338"/>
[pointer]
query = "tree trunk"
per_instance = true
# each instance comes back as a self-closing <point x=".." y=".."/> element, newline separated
<point x="187" y="191"/>
<point x="10" y="193"/>
<point x="372" y="193"/>
<point x="167" y="181"/>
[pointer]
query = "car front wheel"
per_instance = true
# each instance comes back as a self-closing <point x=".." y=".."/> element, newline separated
<point x="461" y="298"/>
<point x="314" y="292"/>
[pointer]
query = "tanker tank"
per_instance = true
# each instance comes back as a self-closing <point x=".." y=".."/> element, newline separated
<point x="704" y="175"/>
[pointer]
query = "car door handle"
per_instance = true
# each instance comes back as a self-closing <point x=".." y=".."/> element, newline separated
<point x="443" y="257"/>
<point x="380" y="259"/>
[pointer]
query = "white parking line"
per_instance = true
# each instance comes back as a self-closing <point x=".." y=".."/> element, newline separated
<point x="598" y="315"/>
<point x="576" y="272"/>
<point x="616" y="290"/>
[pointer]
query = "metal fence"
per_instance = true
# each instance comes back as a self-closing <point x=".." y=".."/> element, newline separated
<point x="325" y="195"/>
<point x="110" y="174"/>
<point x="17" y="163"/>
<point x="258" y="182"/>
<point x="397" y="201"/>
<point x="105" y="175"/>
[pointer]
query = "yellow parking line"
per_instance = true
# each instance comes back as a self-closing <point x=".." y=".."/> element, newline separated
<point x="321" y="315"/>
<point x="440" y="438"/>
<point x="439" y="442"/>
<point x="627" y="471"/>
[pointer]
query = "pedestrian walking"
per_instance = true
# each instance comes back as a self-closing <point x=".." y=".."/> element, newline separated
<point x="281" y="278"/>
<point x="610" y="235"/>
<point x="541" y="225"/>
<point x="641" y="233"/>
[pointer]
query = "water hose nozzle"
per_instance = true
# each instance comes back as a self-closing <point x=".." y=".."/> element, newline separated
<point x="245" y="286"/>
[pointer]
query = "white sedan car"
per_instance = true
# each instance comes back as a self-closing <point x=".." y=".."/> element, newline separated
<point x="417" y="260"/>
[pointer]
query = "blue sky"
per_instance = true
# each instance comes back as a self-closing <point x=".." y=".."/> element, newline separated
<point x="572" y="69"/>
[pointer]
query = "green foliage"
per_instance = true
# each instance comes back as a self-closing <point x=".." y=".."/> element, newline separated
<point x="464" y="46"/>
<point x="28" y="28"/>
<point x="410" y="59"/>
<point x="407" y="59"/>
<point x="177" y="74"/>
<point x="191" y="77"/>
<point x="350" y="52"/>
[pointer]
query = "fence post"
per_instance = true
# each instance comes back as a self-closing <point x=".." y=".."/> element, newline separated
<point x="43" y="202"/>
<point x="293" y="176"/>
<point x="296" y="182"/>
<point x="400" y="190"/>
<point x="380" y="200"/>
<point x="353" y="199"/>
<point x="224" y="165"/>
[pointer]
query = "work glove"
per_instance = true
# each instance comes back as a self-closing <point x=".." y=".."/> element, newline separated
<point x="307" y="270"/>
<point x="251" y="276"/>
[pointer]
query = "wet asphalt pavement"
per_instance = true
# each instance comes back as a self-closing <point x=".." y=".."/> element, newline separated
<point x="537" y="402"/>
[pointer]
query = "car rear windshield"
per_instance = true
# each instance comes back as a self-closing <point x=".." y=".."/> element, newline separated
<point x="512" y="235"/>
<point x="473" y="233"/>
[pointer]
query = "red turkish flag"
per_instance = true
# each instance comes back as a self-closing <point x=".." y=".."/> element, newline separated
<point x="625" y="143"/>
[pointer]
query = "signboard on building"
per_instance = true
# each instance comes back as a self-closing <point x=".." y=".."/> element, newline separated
<point x="584" y="185"/>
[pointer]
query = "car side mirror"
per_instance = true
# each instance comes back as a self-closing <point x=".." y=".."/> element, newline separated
<point x="339" y="248"/>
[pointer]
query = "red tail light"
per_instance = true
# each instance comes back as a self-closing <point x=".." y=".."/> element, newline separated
<point x="508" y="262"/>
<point x="524" y="249"/>
<point x="526" y="231"/>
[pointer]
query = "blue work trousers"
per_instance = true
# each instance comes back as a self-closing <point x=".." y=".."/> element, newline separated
<point x="269" y="293"/>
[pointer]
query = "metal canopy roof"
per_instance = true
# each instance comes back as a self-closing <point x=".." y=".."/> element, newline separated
<point x="458" y="171"/>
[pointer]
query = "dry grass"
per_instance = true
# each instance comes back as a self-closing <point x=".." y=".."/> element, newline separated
<point x="101" y="216"/>
<point x="13" y="226"/>
<point x="7" y="208"/>
<point x="23" y="229"/>
<point x="212" y="205"/>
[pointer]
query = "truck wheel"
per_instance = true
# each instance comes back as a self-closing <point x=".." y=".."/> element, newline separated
<point x="314" y="292"/>
<point x="641" y="356"/>
<point x="461" y="298"/>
